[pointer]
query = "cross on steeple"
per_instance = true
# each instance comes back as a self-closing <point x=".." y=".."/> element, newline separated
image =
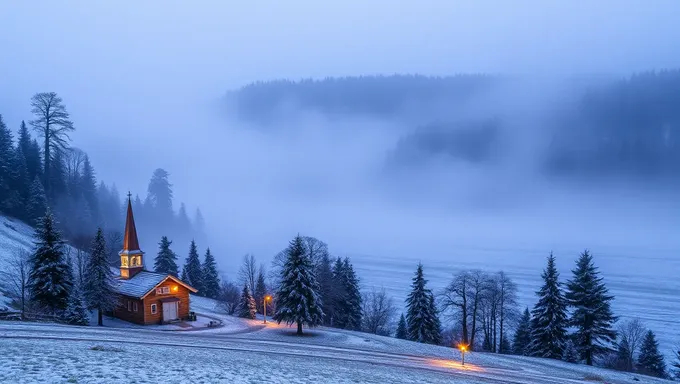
<point x="129" y="195"/>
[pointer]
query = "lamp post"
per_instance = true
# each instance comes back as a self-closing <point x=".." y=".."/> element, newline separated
<point x="264" y="307"/>
<point x="462" y="348"/>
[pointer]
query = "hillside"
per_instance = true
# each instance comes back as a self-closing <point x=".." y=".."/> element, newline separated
<point x="269" y="354"/>
<point x="578" y="128"/>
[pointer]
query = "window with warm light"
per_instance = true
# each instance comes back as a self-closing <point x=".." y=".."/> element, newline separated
<point x="124" y="261"/>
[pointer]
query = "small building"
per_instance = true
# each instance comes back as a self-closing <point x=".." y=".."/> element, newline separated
<point x="147" y="297"/>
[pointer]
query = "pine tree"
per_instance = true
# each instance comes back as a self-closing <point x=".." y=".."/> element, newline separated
<point x="32" y="155"/>
<point x="211" y="278"/>
<point x="23" y="182"/>
<point x="522" y="339"/>
<point x="549" y="316"/>
<point x="10" y="201"/>
<point x="571" y="354"/>
<point x="402" y="332"/>
<point x="297" y="298"/>
<point x="505" y="347"/>
<point x="88" y="187"/>
<point x="337" y="318"/>
<point x="99" y="280"/>
<point x="183" y="223"/>
<point x="650" y="361"/>
<point x="623" y="354"/>
<point x="246" y="305"/>
<point x="327" y="288"/>
<point x="592" y="315"/>
<point x="676" y="364"/>
<point x="260" y="288"/>
<point x="76" y="312"/>
<point x="37" y="202"/>
<point x="192" y="269"/>
<point x="50" y="276"/>
<point x="166" y="259"/>
<point x="421" y="316"/>
<point x="351" y="305"/>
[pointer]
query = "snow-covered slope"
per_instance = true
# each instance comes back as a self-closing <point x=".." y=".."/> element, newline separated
<point x="14" y="235"/>
<point x="267" y="354"/>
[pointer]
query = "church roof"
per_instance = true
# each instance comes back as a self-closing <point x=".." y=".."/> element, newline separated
<point x="130" y="241"/>
<point x="140" y="284"/>
<point x="143" y="282"/>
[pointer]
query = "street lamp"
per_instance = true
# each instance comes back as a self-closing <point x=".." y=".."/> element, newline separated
<point x="264" y="307"/>
<point x="462" y="348"/>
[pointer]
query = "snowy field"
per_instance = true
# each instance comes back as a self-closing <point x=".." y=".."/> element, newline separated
<point x="644" y="282"/>
<point x="271" y="354"/>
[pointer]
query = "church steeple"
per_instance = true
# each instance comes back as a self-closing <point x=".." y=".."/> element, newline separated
<point x="131" y="257"/>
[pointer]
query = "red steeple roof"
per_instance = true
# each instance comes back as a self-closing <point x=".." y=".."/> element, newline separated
<point x="130" y="241"/>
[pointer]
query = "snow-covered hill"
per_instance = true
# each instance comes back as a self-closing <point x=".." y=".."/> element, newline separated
<point x="15" y="235"/>
<point x="263" y="354"/>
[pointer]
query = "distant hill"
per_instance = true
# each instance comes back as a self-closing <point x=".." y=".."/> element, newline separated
<point x="627" y="127"/>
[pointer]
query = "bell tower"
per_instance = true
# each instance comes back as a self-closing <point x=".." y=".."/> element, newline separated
<point x="131" y="257"/>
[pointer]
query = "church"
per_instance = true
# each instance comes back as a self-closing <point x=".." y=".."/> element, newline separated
<point x="147" y="297"/>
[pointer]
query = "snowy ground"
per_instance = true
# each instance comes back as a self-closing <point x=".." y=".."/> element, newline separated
<point x="271" y="354"/>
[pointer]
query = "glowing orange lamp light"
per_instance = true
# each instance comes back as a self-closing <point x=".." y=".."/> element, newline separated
<point x="264" y="307"/>
<point x="463" y="349"/>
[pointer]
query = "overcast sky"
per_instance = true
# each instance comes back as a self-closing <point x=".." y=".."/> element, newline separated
<point x="140" y="76"/>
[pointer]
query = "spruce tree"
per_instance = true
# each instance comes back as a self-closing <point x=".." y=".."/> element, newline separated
<point x="327" y="288"/>
<point x="351" y="305"/>
<point x="88" y="187"/>
<point x="522" y="339"/>
<point x="37" y="202"/>
<point x="50" y="277"/>
<point x="623" y="354"/>
<point x="676" y="364"/>
<point x="297" y="298"/>
<point x="192" y="269"/>
<point x="338" y="318"/>
<point x="99" y="283"/>
<point x="166" y="259"/>
<point x="650" y="361"/>
<point x="31" y="150"/>
<point x="23" y="182"/>
<point x="549" y="316"/>
<point x="402" y="332"/>
<point x="592" y="316"/>
<point x="260" y="289"/>
<point x="211" y="278"/>
<point x="76" y="311"/>
<point x="246" y="304"/>
<point x="571" y="354"/>
<point x="505" y="347"/>
<point x="10" y="202"/>
<point x="422" y="321"/>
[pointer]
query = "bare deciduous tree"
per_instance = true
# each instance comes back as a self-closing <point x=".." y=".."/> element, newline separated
<point x="378" y="312"/>
<point x="229" y="296"/>
<point x="248" y="272"/>
<point x="53" y="124"/>
<point x="463" y="299"/>
<point x="17" y="278"/>
<point x="632" y="331"/>
<point x="454" y="300"/>
<point x="508" y="306"/>
<point x="74" y="158"/>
